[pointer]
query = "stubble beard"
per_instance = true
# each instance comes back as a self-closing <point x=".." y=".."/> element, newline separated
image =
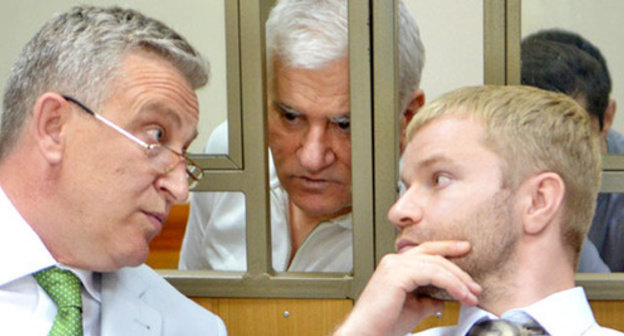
<point x="491" y="250"/>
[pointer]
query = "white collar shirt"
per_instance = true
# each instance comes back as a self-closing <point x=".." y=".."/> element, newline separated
<point x="215" y="235"/>
<point x="25" y="307"/>
<point x="565" y="313"/>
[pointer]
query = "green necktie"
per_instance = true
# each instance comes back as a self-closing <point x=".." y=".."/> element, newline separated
<point x="64" y="289"/>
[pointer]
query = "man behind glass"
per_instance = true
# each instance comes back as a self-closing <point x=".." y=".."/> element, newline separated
<point x="565" y="62"/>
<point x="310" y="146"/>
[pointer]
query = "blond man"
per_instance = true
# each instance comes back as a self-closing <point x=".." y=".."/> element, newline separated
<point x="501" y="183"/>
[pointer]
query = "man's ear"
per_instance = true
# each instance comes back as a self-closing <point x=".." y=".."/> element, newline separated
<point x="541" y="198"/>
<point x="416" y="102"/>
<point x="609" y="116"/>
<point x="50" y="116"/>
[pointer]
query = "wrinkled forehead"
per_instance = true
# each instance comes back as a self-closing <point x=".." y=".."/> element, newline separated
<point x="150" y="86"/>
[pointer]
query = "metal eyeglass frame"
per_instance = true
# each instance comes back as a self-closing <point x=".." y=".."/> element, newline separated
<point x="194" y="173"/>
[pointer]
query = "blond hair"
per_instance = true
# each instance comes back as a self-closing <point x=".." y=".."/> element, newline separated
<point x="533" y="131"/>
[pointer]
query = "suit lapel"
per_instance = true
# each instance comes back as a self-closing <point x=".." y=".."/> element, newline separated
<point x="123" y="309"/>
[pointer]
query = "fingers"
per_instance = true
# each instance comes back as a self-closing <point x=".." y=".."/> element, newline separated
<point x="395" y="279"/>
<point x="413" y="270"/>
<point x="447" y="248"/>
<point x="421" y="307"/>
<point x="427" y="264"/>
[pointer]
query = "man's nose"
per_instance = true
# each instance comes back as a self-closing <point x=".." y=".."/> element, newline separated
<point x="316" y="153"/>
<point x="174" y="184"/>
<point x="405" y="211"/>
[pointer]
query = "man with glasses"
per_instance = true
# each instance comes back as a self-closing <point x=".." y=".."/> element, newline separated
<point x="97" y="115"/>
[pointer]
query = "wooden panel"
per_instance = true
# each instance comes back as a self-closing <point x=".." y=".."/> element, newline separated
<point x="609" y="313"/>
<point x="449" y="317"/>
<point x="165" y="248"/>
<point x="275" y="317"/>
<point x="321" y="316"/>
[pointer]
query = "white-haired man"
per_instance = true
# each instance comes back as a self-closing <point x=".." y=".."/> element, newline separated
<point x="310" y="146"/>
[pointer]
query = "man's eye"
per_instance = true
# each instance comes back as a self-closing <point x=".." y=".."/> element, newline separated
<point x="156" y="134"/>
<point x="290" y="116"/>
<point x="287" y="113"/>
<point x="441" y="180"/>
<point x="344" y="123"/>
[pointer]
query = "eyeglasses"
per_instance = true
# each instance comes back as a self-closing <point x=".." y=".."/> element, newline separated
<point x="162" y="158"/>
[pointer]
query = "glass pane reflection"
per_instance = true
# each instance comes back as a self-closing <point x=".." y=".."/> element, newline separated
<point x="601" y="26"/>
<point x="215" y="237"/>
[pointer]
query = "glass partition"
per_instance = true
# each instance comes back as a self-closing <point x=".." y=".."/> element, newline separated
<point x="484" y="49"/>
<point x="601" y="26"/>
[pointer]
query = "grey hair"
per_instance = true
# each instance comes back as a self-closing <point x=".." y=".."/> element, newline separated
<point x="79" y="52"/>
<point x="309" y="34"/>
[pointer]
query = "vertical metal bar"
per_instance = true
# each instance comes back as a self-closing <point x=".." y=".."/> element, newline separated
<point x="361" y="143"/>
<point x="494" y="41"/>
<point x="253" y="15"/>
<point x="513" y="29"/>
<point x="385" y="125"/>
<point x="232" y="53"/>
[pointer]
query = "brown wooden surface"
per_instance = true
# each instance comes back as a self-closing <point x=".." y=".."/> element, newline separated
<point x="276" y="317"/>
<point x="165" y="248"/>
<point x="609" y="313"/>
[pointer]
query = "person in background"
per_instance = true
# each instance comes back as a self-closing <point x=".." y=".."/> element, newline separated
<point x="310" y="146"/>
<point x="562" y="61"/>
<point x="98" y="111"/>
<point x="497" y="201"/>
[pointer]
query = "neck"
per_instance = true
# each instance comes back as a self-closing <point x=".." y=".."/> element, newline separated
<point x="539" y="269"/>
<point x="32" y="190"/>
<point x="302" y="223"/>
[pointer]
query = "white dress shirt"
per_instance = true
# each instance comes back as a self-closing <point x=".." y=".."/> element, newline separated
<point x="215" y="235"/>
<point x="565" y="313"/>
<point x="25" y="307"/>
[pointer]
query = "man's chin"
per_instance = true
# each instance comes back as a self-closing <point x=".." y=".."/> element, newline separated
<point x="326" y="211"/>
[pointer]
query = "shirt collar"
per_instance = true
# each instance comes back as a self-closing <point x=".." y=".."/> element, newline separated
<point x="571" y="303"/>
<point x="345" y="221"/>
<point x="17" y="238"/>
<point x="469" y="316"/>
<point x="90" y="280"/>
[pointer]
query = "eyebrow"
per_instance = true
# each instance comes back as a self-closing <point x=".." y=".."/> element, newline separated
<point x="430" y="161"/>
<point x="340" y="118"/>
<point x="289" y="109"/>
<point x="168" y="113"/>
<point x="286" y="108"/>
<point x="434" y="159"/>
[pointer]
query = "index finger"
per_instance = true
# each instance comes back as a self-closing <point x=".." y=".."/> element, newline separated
<point x="445" y="248"/>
